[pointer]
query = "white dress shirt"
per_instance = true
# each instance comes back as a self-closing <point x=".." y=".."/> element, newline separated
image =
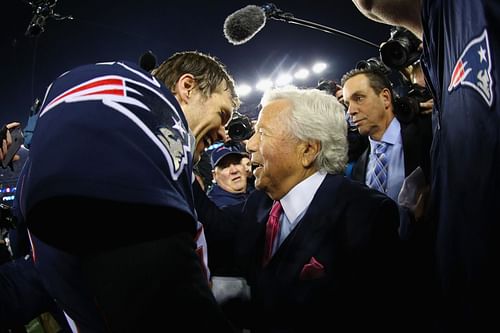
<point x="295" y="204"/>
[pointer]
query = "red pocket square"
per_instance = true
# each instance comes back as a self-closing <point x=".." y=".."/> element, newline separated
<point x="312" y="270"/>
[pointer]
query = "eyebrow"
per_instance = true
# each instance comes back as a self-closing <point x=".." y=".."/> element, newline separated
<point x="355" y="94"/>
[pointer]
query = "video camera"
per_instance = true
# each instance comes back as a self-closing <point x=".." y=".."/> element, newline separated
<point x="329" y="86"/>
<point x="401" y="50"/>
<point x="240" y="127"/>
<point x="375" y="63"/>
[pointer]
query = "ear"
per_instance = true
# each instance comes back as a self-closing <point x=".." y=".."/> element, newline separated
<point x="386" y="95"/>
<point x="184" y="87"/>
<point x="309" y="151"/>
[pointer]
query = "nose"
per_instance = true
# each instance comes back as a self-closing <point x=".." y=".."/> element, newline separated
<point x="351" y="110"/>
<point x="233" y="168"/>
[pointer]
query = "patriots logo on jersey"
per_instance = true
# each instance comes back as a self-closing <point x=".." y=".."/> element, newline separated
<point x="165" y="129"/>
<point x="473" y="68"/>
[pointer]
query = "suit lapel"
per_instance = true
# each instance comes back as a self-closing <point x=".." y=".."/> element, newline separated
<point x="359" y="172"/>
<point x="303" y="241"/>
<point x="411" y="148"/>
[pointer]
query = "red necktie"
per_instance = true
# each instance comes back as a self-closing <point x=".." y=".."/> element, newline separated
<point x="272" y="229"/>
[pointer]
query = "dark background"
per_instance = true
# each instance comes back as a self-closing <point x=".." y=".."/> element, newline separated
<point x="104" y="30"/>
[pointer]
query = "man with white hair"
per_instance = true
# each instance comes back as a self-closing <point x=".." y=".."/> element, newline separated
<point x="328" y="252"/>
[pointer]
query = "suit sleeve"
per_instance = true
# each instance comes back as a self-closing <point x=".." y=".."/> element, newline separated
<point x="371" y="263"/>
<point x="221" y="228"/>
<point x="385" y="267"/>
<point x="222" y="224"/>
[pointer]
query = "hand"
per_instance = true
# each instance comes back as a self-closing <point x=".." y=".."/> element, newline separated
<point x="419" y="209"/>
<point x="7" y="140"/>
<point x="414" y="193"/>
<point x="426" y="107"/>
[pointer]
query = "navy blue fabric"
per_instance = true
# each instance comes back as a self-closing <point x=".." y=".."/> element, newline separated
<point x="461" y="58"/>
<point x="349" y="228"/>
<point x="219" y="153"/>
<point x="133" y="148"/>
<point x="23" y="296"/>
<point x="109" y="173"/>
<point x="224" y="198"/>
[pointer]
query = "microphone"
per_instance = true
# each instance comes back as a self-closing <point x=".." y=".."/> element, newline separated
<point x="147" y="61"/>
<point x="243" y="24"/>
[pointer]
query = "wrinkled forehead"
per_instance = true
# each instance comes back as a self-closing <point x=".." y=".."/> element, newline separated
<point x="273" y="113"/>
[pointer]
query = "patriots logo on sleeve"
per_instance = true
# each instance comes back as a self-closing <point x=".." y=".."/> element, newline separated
<point x="168" y="132"/>
<point x="473" y="68"/>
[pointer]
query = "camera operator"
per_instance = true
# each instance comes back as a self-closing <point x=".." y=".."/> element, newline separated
<point x="5" y="135"/>
<point x="417" y="88"/>
<point x="401" y="53"/>
<point x="240" y="129"/>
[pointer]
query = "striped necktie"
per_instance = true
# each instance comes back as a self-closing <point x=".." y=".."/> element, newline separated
<point x="378" y="179"/>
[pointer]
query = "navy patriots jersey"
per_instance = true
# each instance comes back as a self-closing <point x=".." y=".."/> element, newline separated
<point x="110" y="131"/>
<point x="461" y="50"/>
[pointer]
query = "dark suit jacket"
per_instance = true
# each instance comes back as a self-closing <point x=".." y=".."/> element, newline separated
<point x="348" y="228"/>
<point x="418" y="248"/>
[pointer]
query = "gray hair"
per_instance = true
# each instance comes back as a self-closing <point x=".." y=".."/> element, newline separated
<point x="318" y="116"/>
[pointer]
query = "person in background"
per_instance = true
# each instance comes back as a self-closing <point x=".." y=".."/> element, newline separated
<point x="247" y="163"/>
<point x="461" y="48"/>
<point x="357" y="142"/>
<point x="106" y="192"/>
<point x="329" y="251"/>
<point x="398" y="146"/>
<point x="230" y="188"/>
<point x="5" y="135"/>
<point x="372" y="108"/>
<point x="229" y="174"/>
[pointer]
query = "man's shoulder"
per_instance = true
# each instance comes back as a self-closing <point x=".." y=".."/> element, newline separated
<point x="355" y="191"/>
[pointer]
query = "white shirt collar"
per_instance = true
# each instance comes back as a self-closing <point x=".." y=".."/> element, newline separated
<point x="301" y="195"/>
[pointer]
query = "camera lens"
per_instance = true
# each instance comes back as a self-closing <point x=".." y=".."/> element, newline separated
<point x="401" y="50"/>
<point x="240" y="127"/>
<point x="237" y="131"/>
<point x="394" y="54"/>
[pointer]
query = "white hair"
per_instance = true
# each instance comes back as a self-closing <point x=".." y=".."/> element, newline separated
<point x="318" y="116"/>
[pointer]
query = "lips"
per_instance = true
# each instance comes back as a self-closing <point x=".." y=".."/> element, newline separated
<point x="356" y="122"/>
<point x="256" y="167"/>
<point x="255" y="164"/>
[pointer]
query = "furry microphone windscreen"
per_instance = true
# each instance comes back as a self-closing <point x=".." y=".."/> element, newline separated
<point x="243" y="24"/>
